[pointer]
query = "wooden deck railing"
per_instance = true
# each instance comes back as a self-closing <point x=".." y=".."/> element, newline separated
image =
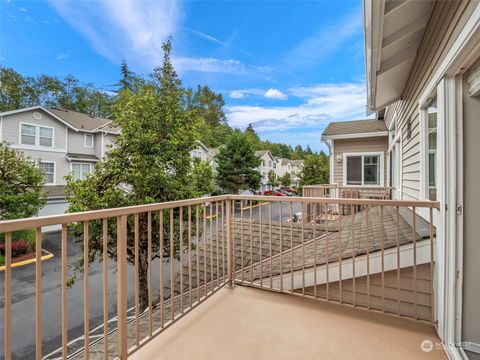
<point x="379" y="256"/>
<point x="339" y="191"/>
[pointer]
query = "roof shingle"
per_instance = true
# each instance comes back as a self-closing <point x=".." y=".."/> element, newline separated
<point x="354" y="127"/>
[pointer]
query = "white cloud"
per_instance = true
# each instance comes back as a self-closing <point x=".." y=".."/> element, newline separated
<point x="237" y="94"/>
<point x="329" y="39"/>
<point x="275" y="94"/>
<point x="322" y="104"/>
<point x="136" y="30"/>
<point x="62" y="56"/>
<point x="122" y="28"/>
<point x="229" y="66"/>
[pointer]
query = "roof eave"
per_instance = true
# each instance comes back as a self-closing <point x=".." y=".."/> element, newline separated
<point x="355" y="136"/>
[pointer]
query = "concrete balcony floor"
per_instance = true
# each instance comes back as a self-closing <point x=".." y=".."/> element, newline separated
<point x="247" y="323"/>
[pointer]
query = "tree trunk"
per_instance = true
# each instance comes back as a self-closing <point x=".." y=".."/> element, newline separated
<point x="143" y="280"/>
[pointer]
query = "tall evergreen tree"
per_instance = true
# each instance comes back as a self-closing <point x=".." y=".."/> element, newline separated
<point x="128" y="78"/>
<point x="237" y="165"/>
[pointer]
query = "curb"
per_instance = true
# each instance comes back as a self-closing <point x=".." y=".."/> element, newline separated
<point x="47" y="256"/>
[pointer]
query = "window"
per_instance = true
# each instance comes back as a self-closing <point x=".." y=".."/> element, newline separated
<point x="274" y="165"/>
<point x="263" y="162"/>
<point x="48" y="171"/>
<point x="88" y="140"/>
<point x="36" y="135"/>
<point x="363" y="170"/>
<point x="80" y="171"/>
<point x="431" y="148"/>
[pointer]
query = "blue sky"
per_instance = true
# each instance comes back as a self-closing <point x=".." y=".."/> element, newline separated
<point x="287" y="67"/>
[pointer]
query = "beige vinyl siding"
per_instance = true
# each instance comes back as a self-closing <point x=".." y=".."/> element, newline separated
<point x="76" y="143"/>
<point x="377" y="144"/>
<point x="447" y="20"/>
<point x="11" y="128"/>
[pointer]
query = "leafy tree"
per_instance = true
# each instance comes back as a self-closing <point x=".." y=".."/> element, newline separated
<point x="315" y="170"/>
<point x="17" y="91"/>
<point x="272" y="179"/>
<point x="21" y="185"/>
<point x="150" y="163"/>
<point x="203" y="178"/>
<point x="286" y="179"/>
<point x="237" y="164"/>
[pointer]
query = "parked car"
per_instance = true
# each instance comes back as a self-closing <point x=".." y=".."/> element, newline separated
<point x="274" y="193"/>
<point x="290" y="190"/>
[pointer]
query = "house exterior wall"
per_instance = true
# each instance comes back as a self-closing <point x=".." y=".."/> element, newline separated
<point x="10" y="131"/>
<point x="447" y="20"/>
<point x="76" y="143"/>
<point x="365" y="145"/>
<point x="65" y="140"/>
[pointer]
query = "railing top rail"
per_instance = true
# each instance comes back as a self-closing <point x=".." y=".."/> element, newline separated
<point x="359" y="187"/>
<point x="29" y="223"/>
<point x="341" y="201"/>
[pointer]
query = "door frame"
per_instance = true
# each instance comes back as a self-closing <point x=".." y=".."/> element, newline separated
<point x="446" y="80"/>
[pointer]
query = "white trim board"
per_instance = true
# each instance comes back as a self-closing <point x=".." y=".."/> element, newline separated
<point x="355" y="136"/>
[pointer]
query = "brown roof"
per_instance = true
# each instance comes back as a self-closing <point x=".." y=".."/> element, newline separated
<point x="354" y="127"/>
<point x="54" y="191"/>
<point x="81" y="121"/>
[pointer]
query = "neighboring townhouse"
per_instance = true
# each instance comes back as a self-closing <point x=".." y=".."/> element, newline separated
<point x="297" y="168"/>
<point x="283" y="166"/>
<point x="60" y="142"/>
<point x="203" y="153"/>
<point x="423" y="81"/>
<point x="357" y="153"/>
<point x="269" y="163"/>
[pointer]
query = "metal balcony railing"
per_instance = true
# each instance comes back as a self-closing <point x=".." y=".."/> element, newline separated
<point x="378" y="256"/>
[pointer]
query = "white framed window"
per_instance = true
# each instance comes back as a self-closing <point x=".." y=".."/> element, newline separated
<point x="430" y="143"/>
<point x="363" y="169"/>
<point x="80" y="171"/>
<point x="48" y="168"/>
<point x="36" y="135"/>
<point x="88" y="140"/>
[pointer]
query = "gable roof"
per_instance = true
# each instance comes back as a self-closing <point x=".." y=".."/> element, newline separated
<point x="354" y="129"/>
<point x="73" y="119"/>
<point x="261" y="153"/>
<point x="80" y="120"/>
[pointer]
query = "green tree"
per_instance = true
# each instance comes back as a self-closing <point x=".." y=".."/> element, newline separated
<point x="272" y="179"/>
<point x="286" y="179"/>
<point x="150" y="163"/>
<point x="21" y="185"/>
<point x="315" y="170"/>
<point x="17" y="91"/>
<point x="253" y="138"/>
<point x="237" y="164"/>
<point x="202" y="177"/>
<point x="128" y="78"/>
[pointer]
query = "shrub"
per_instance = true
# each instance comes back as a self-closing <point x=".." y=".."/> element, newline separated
<point x="2" y="260"/>
<point x="24" y="235"/>
<point x="19" y="247"/>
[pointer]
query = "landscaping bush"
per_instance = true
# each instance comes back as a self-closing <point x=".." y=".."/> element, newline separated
<point x="2" y="260"/>
<point x="24" y="235"/>
<point x="19" y="247"/>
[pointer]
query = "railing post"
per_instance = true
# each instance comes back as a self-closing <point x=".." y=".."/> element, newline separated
<point x="229" y="244"/>
<point x="122" y="286"/>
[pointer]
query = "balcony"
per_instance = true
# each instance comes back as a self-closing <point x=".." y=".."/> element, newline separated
<point x="238" y="275"/>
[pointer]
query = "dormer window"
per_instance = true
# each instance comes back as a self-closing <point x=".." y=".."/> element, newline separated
<point x="88" y="140"/>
